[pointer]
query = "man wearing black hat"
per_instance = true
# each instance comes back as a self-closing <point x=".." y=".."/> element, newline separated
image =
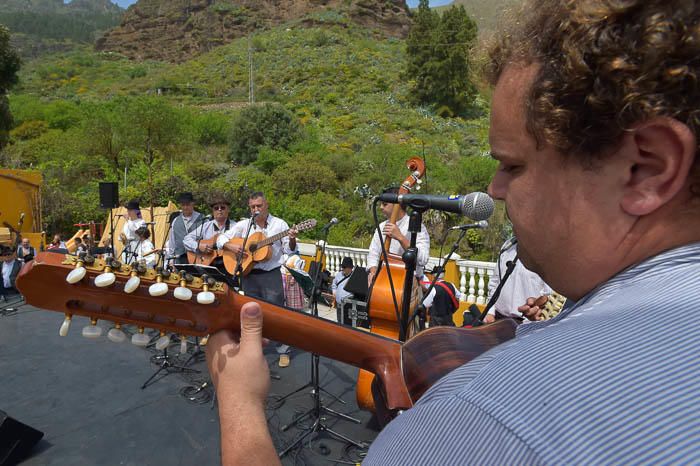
<point x="339" y="281"/>
<point x="187" y="222"/>
<point x="220" y="207"/>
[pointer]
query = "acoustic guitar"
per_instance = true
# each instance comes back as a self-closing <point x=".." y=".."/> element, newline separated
<point x="258" y="248"/>
<point x="205" y="258"/>
<point x="404" y="371"/>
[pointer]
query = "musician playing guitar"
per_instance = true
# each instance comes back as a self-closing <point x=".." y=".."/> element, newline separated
<point x="265" y="280"/>
<point x="595" y="127"/>
<point x="201" y="242"/>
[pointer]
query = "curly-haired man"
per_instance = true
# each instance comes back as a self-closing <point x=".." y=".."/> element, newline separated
<point x="594" y="122"/>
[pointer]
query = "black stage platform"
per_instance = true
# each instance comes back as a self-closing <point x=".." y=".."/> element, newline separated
<point x="85" y="396"/>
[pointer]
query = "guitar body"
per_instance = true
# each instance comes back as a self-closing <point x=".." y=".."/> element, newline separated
<point x="255" y="254"/>
<point x="201" y="258"/>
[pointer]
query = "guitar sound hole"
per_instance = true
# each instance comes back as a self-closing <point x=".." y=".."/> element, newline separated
<point x="253" y="247"/>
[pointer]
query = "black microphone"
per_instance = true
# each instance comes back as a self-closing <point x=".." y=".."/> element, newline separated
<point x="480" y="224"/>
<point x="327" y="226"/>
<point x="478" y="206"/>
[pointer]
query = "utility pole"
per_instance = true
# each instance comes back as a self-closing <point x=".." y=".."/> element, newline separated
<point x="251" y="81"/>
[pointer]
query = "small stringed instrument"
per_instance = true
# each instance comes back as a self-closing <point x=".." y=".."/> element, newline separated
<point x="205" y="258"/>
<point x="385" y="301"/>
<point x="174" y="303"/>
<point x="258" y="248"/>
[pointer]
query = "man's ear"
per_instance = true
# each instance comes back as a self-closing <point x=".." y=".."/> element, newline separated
<point x="661" y="153"/>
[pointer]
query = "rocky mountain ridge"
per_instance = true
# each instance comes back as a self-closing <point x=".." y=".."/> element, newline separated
<point x="176" y="30"/>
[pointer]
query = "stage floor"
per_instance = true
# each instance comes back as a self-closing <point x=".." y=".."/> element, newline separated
<point x="85" y="396"/>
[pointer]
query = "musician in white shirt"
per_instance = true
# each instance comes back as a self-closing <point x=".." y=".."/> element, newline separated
<point x="265" y="280"/>
<point x="128" y="236"/>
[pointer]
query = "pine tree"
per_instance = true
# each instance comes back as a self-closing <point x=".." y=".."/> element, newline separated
<point x="438" y="59"/>
<point x="9" y="66"/>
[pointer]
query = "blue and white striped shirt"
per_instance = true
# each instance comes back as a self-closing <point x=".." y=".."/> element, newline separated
<point x="614" y="379"/>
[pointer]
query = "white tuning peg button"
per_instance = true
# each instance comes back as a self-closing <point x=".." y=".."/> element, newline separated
<point x="92" y="330"/>
<point x="158" y="289"/>
<point x="105" y="279"/>
<point x="76" y="275"/>
<point x="65" y="326"/>
<point x="183" y="344"/>
<point x="205" y="297"/>
<point x="140" y="339"/>
<point x="132" y="283"/>
<point x="116" y="334"/>
<point x="182" y="293"/>
<point x="163" y="342"/>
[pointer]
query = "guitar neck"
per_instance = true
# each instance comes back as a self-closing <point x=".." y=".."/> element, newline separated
<point x="273" y="238"/>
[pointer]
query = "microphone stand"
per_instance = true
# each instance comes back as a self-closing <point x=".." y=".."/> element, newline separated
<point x="161" y="253"/>
<point x="318" y="408"/>
<point x="410" y="258"/>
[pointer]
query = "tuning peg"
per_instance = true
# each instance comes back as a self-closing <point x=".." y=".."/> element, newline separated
<point x="183" y="344"/>
<point x="92" y="330"/>
<point x="162" y="342"/>
<point x="158" y="288"/>
<point x="182" y="292"/>
<point x="63" y="331"/>
<point x="116" y="334"/>
<point x="107" y="278"/>
<point x="419" y="181"/>
<point x="206" y="296"/>
<point x="78" y="273"/>
<point x="140" y="339"/>
<point x="132" y="283"/>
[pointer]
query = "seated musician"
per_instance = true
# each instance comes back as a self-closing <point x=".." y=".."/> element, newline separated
<point x="26" y="252"/>
<point x="338" y="286"/>
<point x="195" y="241"/>
<point x="128" y="236"/>
<point x="595" y="124"/>
<point x="143" y="249"/>
<point x="442" y="302"/>
<point x="57" y="243"/>
<point x="400" y="239"/>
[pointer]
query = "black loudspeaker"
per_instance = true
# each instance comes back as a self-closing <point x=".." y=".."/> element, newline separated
<point x="109" y="195"/>
<point x="357" y="284"/>
<point x="16" y="440"/>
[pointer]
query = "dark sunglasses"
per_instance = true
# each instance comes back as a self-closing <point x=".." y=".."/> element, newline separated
<point x="220" y="207"/>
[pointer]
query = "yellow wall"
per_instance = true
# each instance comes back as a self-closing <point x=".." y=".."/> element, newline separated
<point x="21" y="193"/>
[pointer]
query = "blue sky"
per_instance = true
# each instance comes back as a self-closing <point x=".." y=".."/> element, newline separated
<point x="411" y="3"/>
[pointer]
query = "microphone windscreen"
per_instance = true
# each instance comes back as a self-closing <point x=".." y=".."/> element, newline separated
<point x="477" y="206"/>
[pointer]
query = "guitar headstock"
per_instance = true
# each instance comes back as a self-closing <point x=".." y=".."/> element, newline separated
<point x="100" y="289"/>
<point x="305" y="225"/>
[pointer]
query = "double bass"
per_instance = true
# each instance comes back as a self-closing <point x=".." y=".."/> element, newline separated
<point x="386" y="293"/>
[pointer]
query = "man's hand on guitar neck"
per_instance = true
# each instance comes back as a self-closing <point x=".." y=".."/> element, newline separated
<point x="242" y="380"/>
